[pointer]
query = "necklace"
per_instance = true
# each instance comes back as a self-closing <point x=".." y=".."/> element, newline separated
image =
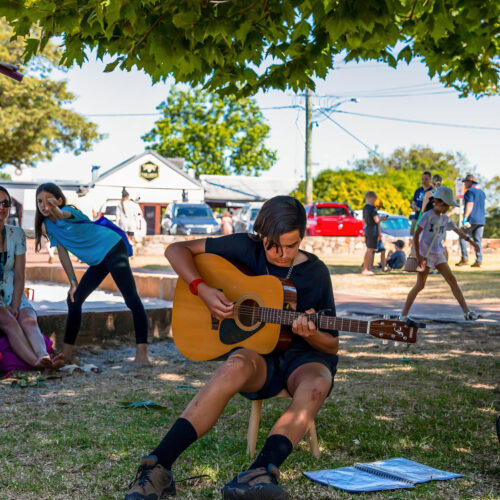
<point x="290" y="269"/>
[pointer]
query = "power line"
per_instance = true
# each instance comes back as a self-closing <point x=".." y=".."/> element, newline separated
<point x="350" y="133"/>
<point x="158" y="113"/>
<point x="417" y="86"/>
<point x="420" y="122"/>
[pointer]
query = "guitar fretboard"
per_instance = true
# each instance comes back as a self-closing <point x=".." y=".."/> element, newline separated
<point x="284" y="317"/>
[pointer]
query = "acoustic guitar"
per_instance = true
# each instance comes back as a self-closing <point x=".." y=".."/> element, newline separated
<point x="263" y="314"/>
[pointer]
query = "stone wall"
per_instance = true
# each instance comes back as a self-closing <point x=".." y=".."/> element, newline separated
<point x="320" y="245"/>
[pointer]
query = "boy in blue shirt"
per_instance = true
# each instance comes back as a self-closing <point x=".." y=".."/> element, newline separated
<point x="397" y="259"/>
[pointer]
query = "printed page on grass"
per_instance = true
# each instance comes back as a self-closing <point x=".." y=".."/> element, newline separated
<point x="390" y="474"/>
<point x="355" y="480"/>
<point x="407" y="469"/>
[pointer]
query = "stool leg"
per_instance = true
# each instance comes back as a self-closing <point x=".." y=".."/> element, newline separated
<point x="253" y="427"/>
<point x="312" y="439"/>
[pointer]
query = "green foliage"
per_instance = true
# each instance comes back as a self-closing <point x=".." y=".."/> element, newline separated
<point x="394" y="178"/>
<point x="215" y="135"/>
<point x="492" y="188"/>
<point x="247" y="45"/>
<point x="350" y="186"/>
<point x="34" y="122"/>
<point x="492" y="226"/>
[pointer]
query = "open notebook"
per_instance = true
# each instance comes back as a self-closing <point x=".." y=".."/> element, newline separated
<point x="388" y="474"/>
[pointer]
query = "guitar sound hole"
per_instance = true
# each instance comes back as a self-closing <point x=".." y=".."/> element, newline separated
<point x="248" y="312"/>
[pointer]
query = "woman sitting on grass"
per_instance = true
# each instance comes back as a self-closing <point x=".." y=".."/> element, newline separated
<point x="430" y="253"/>
<point x="22" y="345"/>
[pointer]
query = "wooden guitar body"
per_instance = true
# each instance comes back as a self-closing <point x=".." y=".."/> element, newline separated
<point x="200" y="336"/>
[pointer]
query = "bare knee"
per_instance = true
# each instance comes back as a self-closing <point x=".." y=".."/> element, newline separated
<point x="236" y="369"/>
<point x="320" y="389"/>
<point x="317" y="389"/>
<point x="28" y="322"/>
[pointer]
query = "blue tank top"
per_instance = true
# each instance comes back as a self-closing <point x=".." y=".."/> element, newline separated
<point x="89" y="242"/>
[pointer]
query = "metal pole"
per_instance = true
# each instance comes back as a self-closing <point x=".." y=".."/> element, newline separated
<point x="309" y="183"/>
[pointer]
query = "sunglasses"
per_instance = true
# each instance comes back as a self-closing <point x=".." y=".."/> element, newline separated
<point x="5" y="203"/>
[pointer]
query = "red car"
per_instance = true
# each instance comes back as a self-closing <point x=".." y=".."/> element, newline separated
<point x="330" y="218"/>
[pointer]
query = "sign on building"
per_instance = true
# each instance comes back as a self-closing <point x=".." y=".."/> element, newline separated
<point x="149" y="171"/>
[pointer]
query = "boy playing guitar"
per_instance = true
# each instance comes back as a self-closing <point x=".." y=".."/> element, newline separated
<point x="306" y="369"/>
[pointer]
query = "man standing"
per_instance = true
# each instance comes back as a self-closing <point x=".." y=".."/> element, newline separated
<point x="474" y="219"/>
<point x="418" y="198"/>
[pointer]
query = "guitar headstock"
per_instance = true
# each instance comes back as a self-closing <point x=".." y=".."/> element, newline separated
<point x="394" y="330"/>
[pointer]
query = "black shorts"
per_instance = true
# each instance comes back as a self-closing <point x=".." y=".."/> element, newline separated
<point x="371" y="242"/>
<point x="281" y="365"/>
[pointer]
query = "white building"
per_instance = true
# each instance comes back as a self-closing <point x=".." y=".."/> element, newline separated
<point x="148" y="177"/>
<point x="151" y="179"/>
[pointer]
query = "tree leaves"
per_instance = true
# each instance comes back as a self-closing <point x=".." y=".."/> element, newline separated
<point x="34" y="122"/>
<point x="215" y="135"/>
<point x="394" y="178"/>
<point x="199" y="42"/>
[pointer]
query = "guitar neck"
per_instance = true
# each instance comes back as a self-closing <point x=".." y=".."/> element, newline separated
<point x="284" y="317"/>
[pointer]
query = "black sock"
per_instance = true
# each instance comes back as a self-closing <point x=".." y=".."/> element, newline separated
<point x="276" y="450"/>
<point x="178" y="438"/>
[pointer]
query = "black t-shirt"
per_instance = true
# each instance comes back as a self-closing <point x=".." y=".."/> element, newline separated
<point x="311" y="278"/>
<point x="369" y="213"/>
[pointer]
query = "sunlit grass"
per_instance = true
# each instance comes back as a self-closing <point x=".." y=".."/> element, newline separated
<point x="70" y="440"/>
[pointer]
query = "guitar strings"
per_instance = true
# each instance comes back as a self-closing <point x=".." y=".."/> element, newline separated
<point x="249" y="312"/>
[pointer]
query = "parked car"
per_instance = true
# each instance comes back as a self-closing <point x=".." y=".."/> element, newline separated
<point x="395" y="226"/>
<point x="245" y="217"/>
<point x="109" y="209"/>
<point x="332" y="219"/>
<point x="189" y="218"/>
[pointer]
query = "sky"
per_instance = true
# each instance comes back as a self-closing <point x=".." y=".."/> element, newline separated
<point x="406" y="93"/>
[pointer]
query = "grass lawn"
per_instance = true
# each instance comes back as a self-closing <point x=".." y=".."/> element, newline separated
<point x="70" y="440"/>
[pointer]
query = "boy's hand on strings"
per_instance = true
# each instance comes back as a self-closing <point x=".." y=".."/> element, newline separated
<point x="476" y="247"/>
<point x="422" y="262"/>
<point x="218" y="304"/>
<point x="72" y="289"/>
<point x="303" y="326"/>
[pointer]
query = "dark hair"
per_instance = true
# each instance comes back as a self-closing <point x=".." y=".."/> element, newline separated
<point x="7" y="193"/>
<point x="278" y="216"/>
<point x="55" y="190"/>
<point x="427" y="173"/>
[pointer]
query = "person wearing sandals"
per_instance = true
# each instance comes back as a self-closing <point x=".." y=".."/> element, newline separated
<point x="429" y="250"/>
<point x="22" y="345"/>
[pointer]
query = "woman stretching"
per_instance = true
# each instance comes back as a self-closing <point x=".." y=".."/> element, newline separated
<point x="430" y="253"/>
<point x="99" y="247"/>
<point x="22" y="345"/>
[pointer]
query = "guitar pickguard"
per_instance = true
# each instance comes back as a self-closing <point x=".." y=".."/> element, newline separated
<point x="230" y="333"/>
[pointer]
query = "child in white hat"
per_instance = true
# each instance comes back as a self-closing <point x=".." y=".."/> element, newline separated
<point x="430" y="253"/>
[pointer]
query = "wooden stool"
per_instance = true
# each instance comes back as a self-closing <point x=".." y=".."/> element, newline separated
<point x="253" y="428"/>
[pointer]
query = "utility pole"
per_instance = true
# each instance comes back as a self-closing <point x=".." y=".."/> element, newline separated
<point x="309" y="183"/>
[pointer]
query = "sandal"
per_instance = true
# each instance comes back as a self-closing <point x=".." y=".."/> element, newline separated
<point x="471" y="316"/>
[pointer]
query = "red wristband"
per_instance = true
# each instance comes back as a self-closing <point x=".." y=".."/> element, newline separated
<point x="193" y="286"/>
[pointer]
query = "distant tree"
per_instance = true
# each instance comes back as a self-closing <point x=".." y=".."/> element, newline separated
<point x="34" y="120"/>
<point x="492" y="188"/>
<point x="393" y="177"/>
<point x="415" y="159"/>
<point x="215" y="135"/>
<point x="492" y="226"/>
<point x="350" y="186"/>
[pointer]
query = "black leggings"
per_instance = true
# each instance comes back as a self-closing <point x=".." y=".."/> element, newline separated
<point x="116" y="262"/>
